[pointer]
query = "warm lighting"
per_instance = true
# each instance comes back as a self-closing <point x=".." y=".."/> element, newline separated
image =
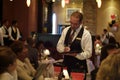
<point x="11" y="0"/>
<point x="53" y="0"/>
<point x="63" y="3"/>
<point x="99" y="3"/>
<point x="28" y="3"/>
<point x="67" y="1"/>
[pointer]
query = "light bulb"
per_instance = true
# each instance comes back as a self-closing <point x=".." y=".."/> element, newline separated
<point x="63" y="3"/>
<point x="53" y="0"/>
<point x="28" y="2"/>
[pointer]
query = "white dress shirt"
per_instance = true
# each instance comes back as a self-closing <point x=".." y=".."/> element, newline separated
<point x="1" y="37"/>
<point x="104" y="38"/>
<point x="86" y="43"/>
<point x="3" y="34"/>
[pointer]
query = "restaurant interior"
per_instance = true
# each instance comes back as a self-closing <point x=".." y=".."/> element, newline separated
<point x="47" y="18"/>
<point x="38" y="16"/>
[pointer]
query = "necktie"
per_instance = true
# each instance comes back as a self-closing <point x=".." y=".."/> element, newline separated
<point x="71" y="37"/>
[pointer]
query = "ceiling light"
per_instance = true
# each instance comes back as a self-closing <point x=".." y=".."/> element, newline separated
<point x="53" y="0"/>
<point x="28" y="3"/>
<point x="99" y="3"/>
<point x="63" y="3"/>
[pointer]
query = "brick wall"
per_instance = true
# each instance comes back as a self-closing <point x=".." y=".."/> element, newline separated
<point x="90" y="18"/>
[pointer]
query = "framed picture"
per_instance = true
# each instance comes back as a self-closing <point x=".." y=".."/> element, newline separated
<point x="69" y="11"/>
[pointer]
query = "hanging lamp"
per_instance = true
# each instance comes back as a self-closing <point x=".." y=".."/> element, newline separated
<point x="28" y="3"/>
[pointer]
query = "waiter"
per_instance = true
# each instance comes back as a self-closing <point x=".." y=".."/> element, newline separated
<point x="76" y="44"/>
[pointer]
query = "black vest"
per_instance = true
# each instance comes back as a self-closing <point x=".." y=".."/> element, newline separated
<point x="6" y="31"/>
<point x="14" y="34"/>
<point x="71" y="61"/>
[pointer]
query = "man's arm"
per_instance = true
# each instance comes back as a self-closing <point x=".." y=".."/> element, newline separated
<point x="86" y="44"/>
<point x="60" y="44"/>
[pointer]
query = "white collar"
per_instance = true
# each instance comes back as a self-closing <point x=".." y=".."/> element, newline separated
<point x="79" y="28"/>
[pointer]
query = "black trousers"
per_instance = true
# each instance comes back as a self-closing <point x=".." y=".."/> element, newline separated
<point x="77" y="69"/>
<point x="93" y="74"/>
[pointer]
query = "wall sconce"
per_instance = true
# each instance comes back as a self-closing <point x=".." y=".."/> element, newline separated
<point x="99" y="3"/>
<point x="28" y="3"/>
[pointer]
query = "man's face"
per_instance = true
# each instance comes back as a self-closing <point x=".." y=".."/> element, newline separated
<point x="7" y="24"/>
<point x="74" y="22"/>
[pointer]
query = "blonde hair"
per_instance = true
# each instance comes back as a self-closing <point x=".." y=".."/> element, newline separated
<point x="110" y="68"/>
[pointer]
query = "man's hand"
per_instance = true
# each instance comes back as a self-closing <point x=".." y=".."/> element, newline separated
<point x="66" y="49"/>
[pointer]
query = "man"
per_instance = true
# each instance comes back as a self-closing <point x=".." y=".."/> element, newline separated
<point x="80" y="48"/>
<point x="5" y="34"/>
<point x="107" y="37"/>
<point x="110" y="66"/>
<point x="105" y="51"/>
<point x="14" y="32"/>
